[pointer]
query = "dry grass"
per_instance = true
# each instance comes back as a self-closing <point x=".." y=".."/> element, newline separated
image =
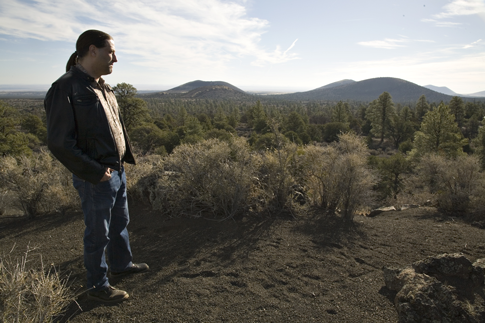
<point x="31" y="294"/>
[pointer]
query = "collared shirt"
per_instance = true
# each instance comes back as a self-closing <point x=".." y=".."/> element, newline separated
<point x="110" y="106"/>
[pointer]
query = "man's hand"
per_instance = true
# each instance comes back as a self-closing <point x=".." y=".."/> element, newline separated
<point x="107" y="175"/>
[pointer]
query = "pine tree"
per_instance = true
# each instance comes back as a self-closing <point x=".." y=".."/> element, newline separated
<point x="340" y="112"/>
<point x="422" y="107"/>
<point x="457" y="108"/>
<point x="133" y="110"/>
<point x="439" y="133"/>
<point x="380" y="113"/>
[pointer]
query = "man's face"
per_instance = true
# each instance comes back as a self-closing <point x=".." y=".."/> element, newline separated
<point x="105" y="58"/>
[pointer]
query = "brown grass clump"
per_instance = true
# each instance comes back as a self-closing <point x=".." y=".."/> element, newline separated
<point x="31" y="295"/>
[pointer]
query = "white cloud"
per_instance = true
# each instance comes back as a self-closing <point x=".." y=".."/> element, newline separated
<point x="462" y="8"/>
<point x="385" y="44"/>
<point x="275" y="57"/>
<point x="164" y="34"/>
<point x="439" y="23"/>
<point x="392" y="43"/>
<point x="472" y="44"/>
<point x="458" y="8"/>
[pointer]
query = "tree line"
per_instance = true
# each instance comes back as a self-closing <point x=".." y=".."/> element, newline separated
<point x="158" y="125"/>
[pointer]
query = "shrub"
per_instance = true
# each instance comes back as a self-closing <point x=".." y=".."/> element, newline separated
<point x="220" y="134"/>
<point x="38" y="183"/>
<point x="31" y="294"/>
<point x="276" y="177"/>
<point x="140" y="177"/>
<point x="268" y="140"/>
<point x="333" y="130"/>
<point x="211" y="179"/>
<point x="391" y="169"/>
<point x="293" y="137"/>
<point x="455" y="182"/>
<point x="337" y="175"/>
<point x="405" y="146"/>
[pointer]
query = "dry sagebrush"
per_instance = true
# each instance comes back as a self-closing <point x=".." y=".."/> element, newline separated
<point x="31" y="294"/>
<point x="211" y="179"/>
<point x="337" y="176"/>
<point x="37" y="184"/>
<point x="276" y="177"/>
<point x="456" y="183"/>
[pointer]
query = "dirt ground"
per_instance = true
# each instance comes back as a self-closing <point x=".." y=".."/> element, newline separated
<point x="308" y="269"/>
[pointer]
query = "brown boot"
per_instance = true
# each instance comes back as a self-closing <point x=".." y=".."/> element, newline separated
<point x="108" y="295"/>
<point x="135" y="268"/>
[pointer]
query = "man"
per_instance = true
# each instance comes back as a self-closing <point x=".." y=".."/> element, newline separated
<point x="86" y="134"/>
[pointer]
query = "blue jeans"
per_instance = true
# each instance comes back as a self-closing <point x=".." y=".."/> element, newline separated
<point x="106" y="217"/>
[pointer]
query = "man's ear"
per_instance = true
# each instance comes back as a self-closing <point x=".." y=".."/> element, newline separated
<point x="93" y="51"/>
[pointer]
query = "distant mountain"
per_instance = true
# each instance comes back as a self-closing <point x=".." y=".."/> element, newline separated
<point x="203" y="90"/>
<point x="369" y="90"/>
<point x="445" y="90"/>
<point x="187" y="87"/>
<point x="335" y="84"/>
<point x="441" y="89"/>
<point x="477" y="94"/>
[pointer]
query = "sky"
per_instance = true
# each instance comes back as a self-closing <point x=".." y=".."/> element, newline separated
<point x="256" y="45"/>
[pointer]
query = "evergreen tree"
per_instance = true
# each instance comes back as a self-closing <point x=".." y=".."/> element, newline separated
<point x="457" y="108"/>
<point x="257" y="118"/>
<point x="400" y="129"/>
<point x="422" y="107"/>
<point x="439" y="133"/>
<point x="340" y="112"/>
<point x="380" y="113"/>
<point x="12" y="141"/>
<point x="234" y="118"/>
<point x="220" y="119"/>
<point x="391" y="170"/>
<point x="133" y="110"/>
<point x="34" y="125"/>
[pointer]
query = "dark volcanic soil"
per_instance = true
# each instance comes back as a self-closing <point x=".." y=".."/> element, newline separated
<point x="309" y="269"/>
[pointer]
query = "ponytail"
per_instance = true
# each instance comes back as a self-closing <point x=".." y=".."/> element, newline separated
<point x="72" y="61"/>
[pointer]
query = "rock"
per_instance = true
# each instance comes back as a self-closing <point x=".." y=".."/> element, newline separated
<point x="425" y="299"/>
<point x="478" y="275"/>
<point x="445" y="265"/>
<point x="408" y="206"/>
<point x="424" y="293"/>
<point x="479" y="263"/>
<point x="381" y="210"/>
<point x="396" y="278"/>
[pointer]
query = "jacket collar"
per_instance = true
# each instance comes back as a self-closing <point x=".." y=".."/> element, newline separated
<point x="79" y="71"/>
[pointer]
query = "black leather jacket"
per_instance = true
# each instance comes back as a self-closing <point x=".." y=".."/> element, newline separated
<point x="78" y="132"/>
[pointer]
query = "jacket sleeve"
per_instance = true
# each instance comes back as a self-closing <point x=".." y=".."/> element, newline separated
<point x="62" y="136"/>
